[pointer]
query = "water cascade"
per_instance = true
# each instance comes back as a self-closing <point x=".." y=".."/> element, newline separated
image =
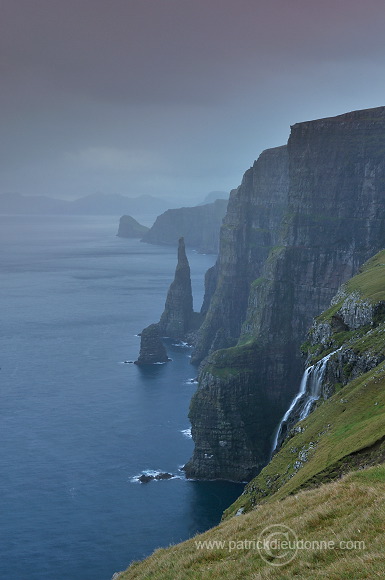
<point x="302" y="404"/>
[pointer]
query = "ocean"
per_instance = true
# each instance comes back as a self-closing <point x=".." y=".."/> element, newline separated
<point x="78" y="424"/>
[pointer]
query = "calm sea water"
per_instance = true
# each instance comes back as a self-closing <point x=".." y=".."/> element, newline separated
<point x="76" y="423"/>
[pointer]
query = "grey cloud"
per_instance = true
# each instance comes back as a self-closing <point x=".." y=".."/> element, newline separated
<point x="188" y="91"/>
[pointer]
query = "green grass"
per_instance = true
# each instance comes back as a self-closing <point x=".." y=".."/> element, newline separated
<point x="370" y="282"/>
<point x="231" y="361"/>
<point x="338" y="527"/>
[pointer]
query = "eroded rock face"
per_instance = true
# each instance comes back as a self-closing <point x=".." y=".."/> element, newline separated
<point x="152" y="350"/>
<point x="250" y="229"/>
<point x="178" y="315"/>
<point x="302" y="222"/>
<point x="226" y="414"/>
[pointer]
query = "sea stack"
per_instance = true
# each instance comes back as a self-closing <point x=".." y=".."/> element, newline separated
<point x="177" y="318"/>
<point x="152" y="349"/>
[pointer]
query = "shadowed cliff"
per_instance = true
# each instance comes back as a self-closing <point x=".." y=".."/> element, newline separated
<point x="198" y="225"/>
<point x="301" y="223"/>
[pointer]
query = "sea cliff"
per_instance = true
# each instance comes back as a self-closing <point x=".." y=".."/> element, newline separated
<point x="199" y="226"/>
<point x="305" y="217"/>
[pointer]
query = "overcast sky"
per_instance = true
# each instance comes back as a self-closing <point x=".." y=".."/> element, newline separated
<point x="173" y="98"/>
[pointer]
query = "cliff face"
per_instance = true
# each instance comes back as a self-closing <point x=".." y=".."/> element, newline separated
<point x="345" y="429"/>
<point x="326" y="217"/>
<point x="249" y="231"/>
<point x="198" y="225"/>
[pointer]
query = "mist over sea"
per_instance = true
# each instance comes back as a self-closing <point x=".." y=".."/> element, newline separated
<point x="77" y="423"/>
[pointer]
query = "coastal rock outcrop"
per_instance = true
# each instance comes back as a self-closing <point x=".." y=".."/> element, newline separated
<point x="178" y="317"/>
<point x="146" y="478"/>
<point x="130" y="228"/>
<point x="152" y="350"/>
<point x="304" y="219"/>
<point x="199" y="226"/>
<point x="178" y="320"/>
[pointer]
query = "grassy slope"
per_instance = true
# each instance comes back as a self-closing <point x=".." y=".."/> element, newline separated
<point x="370" y="283"/>
<point x="349" y="510"/>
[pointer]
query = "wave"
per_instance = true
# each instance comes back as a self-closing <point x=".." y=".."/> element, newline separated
<point x="192" y="381"/>
<point x="187" y="433"/>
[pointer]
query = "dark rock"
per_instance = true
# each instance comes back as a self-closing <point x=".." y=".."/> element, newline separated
<point x="145" y="478"/>
<point x="338" y="325"/>
<point x="163" y="476"/>
<point x="152" y="349"/>
<point x="211" y="279"/>
<point x="130" y="228"/>
<point x="178" y="316"/>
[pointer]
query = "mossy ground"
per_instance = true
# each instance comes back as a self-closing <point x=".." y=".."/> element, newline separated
<point x="234" y="360"/>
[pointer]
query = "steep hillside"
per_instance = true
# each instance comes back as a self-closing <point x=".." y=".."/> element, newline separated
<point x="304" y="219"/>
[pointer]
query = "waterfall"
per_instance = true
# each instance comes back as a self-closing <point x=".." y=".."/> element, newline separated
<point x="302" y="404"/>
